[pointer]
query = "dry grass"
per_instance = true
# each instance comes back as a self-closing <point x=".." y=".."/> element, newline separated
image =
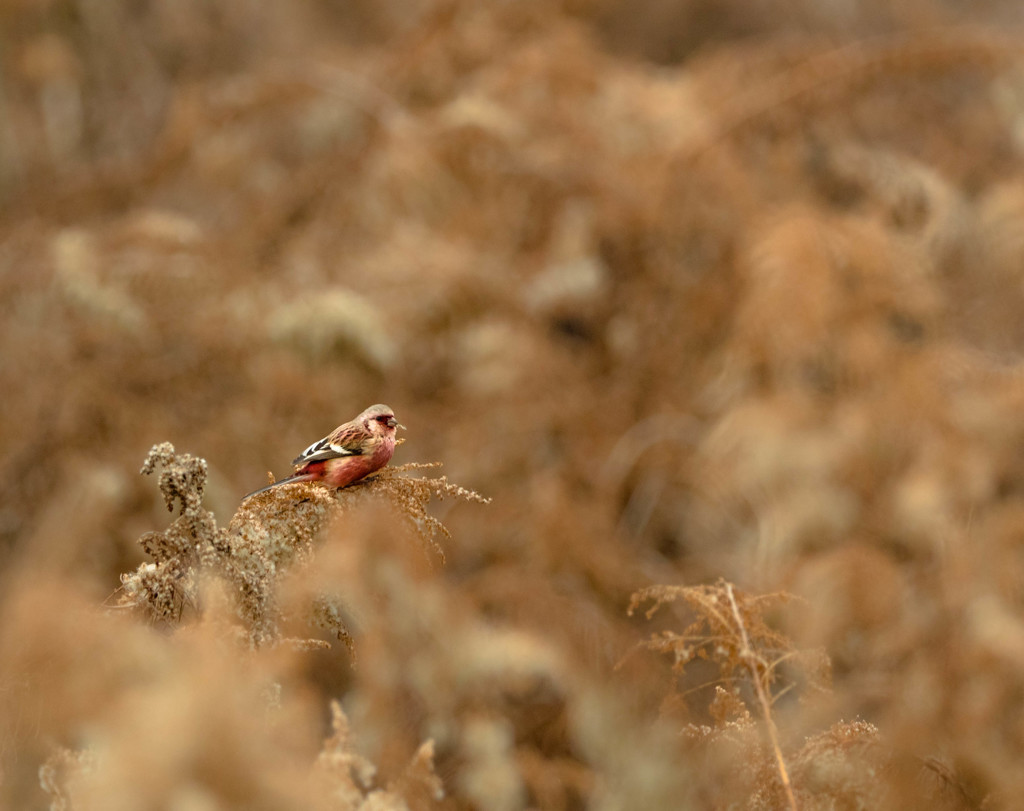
<point x="722" y="297"/>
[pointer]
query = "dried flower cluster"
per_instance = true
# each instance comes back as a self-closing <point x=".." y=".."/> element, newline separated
<point x="268" y="534"/>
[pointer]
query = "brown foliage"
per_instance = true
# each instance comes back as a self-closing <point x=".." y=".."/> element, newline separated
<point x="717" y="295"/>
<point x="267" y="535"/>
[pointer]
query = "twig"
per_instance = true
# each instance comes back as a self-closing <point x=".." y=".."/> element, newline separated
<point x="753" y="662"/>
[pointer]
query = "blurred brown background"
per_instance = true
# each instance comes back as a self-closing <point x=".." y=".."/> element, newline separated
<point x="691" y="289"/>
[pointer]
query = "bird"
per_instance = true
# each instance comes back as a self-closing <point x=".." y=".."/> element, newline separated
<point x="350" y="452"/>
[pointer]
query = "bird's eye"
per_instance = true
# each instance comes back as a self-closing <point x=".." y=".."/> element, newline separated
<point x="383" y="418"/>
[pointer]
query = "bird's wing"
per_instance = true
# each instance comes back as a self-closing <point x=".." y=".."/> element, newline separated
<point x="330" y="447"/>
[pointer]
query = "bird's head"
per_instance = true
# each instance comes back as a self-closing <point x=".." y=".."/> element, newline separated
<point x="380" y="419"/>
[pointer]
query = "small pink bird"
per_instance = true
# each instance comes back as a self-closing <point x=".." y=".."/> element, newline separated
<point x="347" y="454"/>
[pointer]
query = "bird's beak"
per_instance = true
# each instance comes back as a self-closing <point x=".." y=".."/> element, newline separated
<point x="393" y="423"/>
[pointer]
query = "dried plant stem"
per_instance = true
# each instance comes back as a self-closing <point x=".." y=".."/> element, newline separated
<point x="753" y="663"/>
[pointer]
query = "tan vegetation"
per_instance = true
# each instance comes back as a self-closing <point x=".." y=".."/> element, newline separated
<point x="716" y="306"/>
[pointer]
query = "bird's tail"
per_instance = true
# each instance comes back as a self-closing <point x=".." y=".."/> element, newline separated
<point x="285" y="480"/>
